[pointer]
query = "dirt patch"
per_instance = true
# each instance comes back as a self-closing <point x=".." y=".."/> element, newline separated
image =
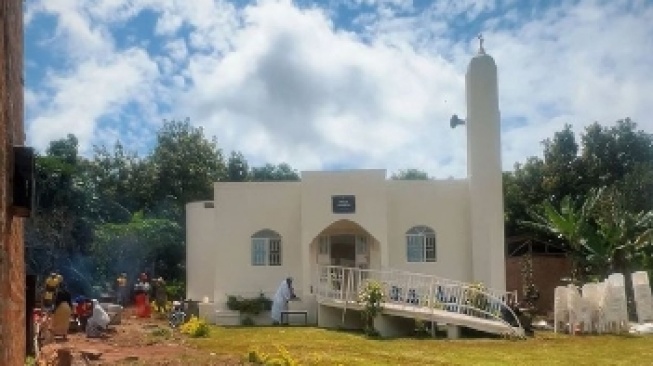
<point x="134" y="342"/>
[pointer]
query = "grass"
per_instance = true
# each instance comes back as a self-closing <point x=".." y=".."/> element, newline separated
<point x="312" y="346"/>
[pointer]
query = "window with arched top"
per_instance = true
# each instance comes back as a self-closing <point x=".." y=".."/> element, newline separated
<point x="266" y="248"/>
<point x="420" y="244"/>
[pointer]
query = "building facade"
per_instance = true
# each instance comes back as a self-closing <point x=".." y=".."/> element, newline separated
<point x="255" y="234"/>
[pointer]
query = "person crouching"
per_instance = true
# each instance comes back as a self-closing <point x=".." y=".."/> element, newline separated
<point x="98" y="322"/>
<point x="62" y="312"/>
<point x="83" y="310"/>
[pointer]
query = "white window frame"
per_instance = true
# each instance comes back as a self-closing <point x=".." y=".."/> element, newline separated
<point x="266" y="249"/>
<point x="421" y="245"/>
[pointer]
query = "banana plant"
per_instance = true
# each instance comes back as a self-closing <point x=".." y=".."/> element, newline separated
<point x="621" y="235"/>
<point x="571" y="223"/>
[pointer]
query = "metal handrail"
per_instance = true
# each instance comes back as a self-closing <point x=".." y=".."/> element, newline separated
<point x="409" y="289"/>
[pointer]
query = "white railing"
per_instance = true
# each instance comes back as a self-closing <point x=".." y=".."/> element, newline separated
<point x="415" y="290"/>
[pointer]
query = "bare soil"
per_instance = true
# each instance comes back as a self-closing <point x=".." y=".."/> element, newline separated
<point x="136" y="341"/>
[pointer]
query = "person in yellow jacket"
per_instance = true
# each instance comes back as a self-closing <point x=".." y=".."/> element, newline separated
<point x="51" y="286"/>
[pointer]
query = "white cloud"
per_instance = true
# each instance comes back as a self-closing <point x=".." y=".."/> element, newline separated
<point x="92" y="90"/>
<point x="282" y="83"/>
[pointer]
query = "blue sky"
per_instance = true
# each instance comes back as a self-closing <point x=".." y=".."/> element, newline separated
<point x="351" y="83"/>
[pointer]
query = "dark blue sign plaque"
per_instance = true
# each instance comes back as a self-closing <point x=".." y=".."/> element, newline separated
<point x="343" y="204"/>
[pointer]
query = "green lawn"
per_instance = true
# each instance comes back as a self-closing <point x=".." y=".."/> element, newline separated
<point x="312" y="346"/>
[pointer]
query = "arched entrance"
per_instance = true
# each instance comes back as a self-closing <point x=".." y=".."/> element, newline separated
<point x="345" y="243"/>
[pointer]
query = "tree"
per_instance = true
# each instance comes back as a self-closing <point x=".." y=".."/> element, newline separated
<point x="274" y="173"/>
<point x="618" y="156"/>
<point x="151" y="245"/>
<point x="112" y="177"/>
<point x="185" y="164"/>
<point x="58" y="234"/>
<point x="523" y="188"/>
<point x="410" y="174"/>
<point x="561" y="167"/>
<point x="237" y="167"/>
<point x="620" y="234"/>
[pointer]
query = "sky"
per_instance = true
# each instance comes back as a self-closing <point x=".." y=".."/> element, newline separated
<point x="337" y="84"/>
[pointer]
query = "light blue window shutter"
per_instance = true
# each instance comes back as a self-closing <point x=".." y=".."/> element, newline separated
<point x="258" y="252"/>
<point x="414" y="248"/>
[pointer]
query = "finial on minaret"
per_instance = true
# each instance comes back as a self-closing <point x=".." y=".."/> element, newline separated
<point x="481" y="50"/>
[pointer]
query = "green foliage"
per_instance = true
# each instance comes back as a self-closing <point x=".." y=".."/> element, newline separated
<point x="316" y="346"/>
<point x="529" y="289"/>
<point x="603" y="235"/>
<point x="372" y="297"/>
<point x="274" y="173"/>
<point x="141" y="243"/>
<point x="618" y="156"/>
<point x="420" y="329"/>
<point x="476" y="298"/>
<point x="572" y="224"/>
<point x="185" y="164"/>
<point x="410" y="174"/>
<point x="237" y="167"/>
<point x="247" y="321"/>
<point x="250" y="306"/>
<point x="117" y="183"/>
<point x="99" y="216"/>
<point x="282" y="358"/>
<point x="176" y="289"/>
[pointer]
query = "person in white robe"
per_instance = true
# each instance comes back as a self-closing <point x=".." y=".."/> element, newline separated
<point x="98" y="322"/>
<point x="285" y="293"/>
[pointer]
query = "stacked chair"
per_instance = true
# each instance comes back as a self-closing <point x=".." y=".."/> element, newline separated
<point x="560" y="309"/>
<point x="594" y="308"/>
<point x="579" y="311"/>
<point x="593" y="292"/>
<point x="616" y="313"/>
<point x="643" y="298"/>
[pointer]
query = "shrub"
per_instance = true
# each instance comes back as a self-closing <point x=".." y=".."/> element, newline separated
<point x="283" y="358"/>
<point x="250" y="306"/>
<point x="476" y="299"/>
<point x="372" y="297"/>
<point x="247" y="321"/>
<point x="420" y="328"/>
<point x="195" y="328"/>
<point x="176" y="290"/>
<point x="166" y="308"/>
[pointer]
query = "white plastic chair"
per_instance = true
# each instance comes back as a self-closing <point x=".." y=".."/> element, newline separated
<point x="642" y="296"/>
<point x="560" y="308"/>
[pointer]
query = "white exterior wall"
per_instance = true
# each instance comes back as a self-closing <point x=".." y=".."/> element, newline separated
<point x="242" y="210"/>
<point x="441" y="205"/>
<point x="200" y="250"/>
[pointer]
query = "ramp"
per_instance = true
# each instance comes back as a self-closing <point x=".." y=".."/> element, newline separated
<point x="422" y="297"/>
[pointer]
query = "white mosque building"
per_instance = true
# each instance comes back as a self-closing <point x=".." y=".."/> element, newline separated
<point x="255" y="234"/>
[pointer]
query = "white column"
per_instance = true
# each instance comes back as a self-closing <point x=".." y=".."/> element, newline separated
<point x="485" y="172"/>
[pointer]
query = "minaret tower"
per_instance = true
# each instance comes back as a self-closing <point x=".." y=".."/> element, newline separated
<point x="484" y="171"/>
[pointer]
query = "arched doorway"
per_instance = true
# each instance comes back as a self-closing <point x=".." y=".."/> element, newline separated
<point x="345" y="243"/>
